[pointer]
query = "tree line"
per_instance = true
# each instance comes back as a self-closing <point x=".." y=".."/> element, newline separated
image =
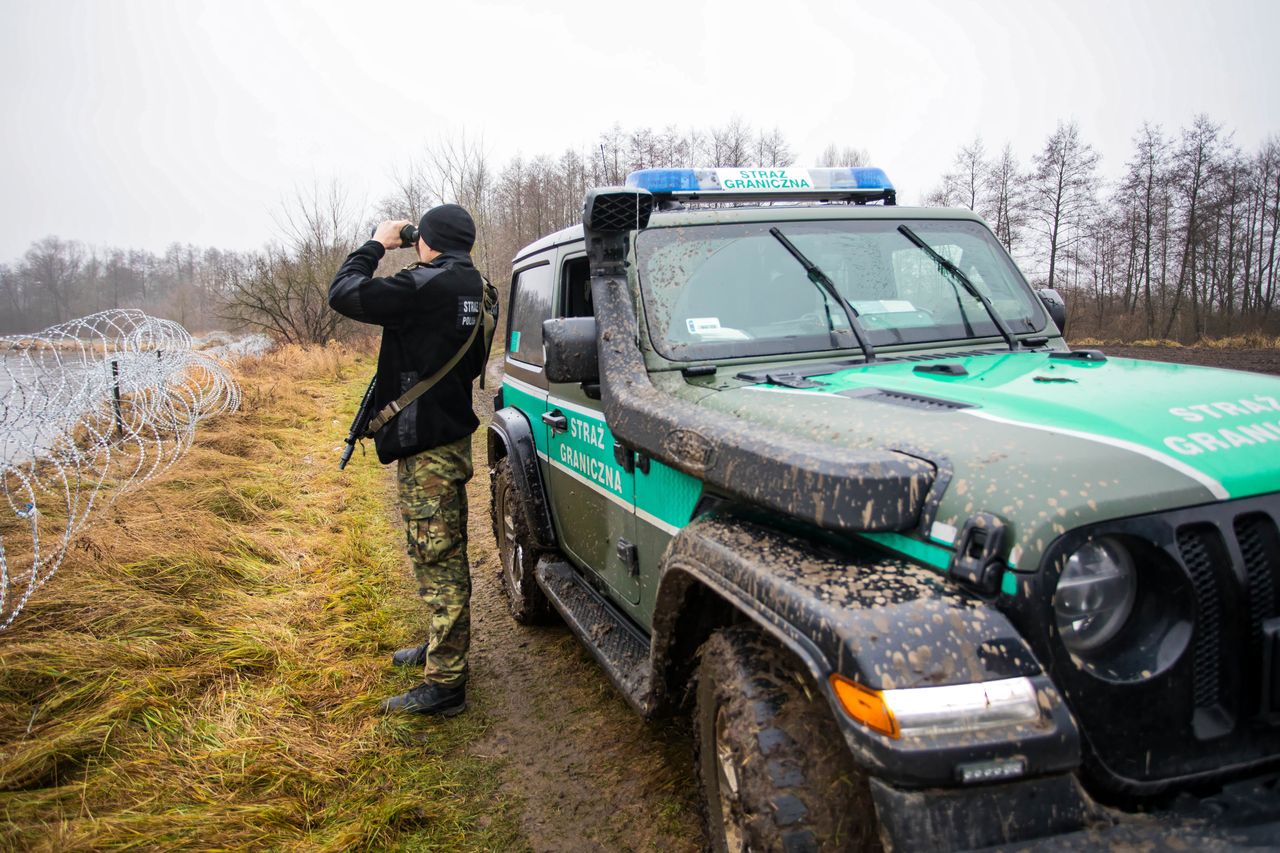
<point x="60" y="279"/>
<point x="1183" y="245"/>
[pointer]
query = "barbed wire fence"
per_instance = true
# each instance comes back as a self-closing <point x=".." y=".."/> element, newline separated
<point x="90" y="409"/>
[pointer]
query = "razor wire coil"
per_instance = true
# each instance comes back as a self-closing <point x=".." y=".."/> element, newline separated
<point x="90" y="409"/>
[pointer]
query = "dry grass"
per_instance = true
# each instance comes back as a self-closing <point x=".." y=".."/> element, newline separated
<point x="203" y="671"/>
<point x="1116" y="342"/>
<point x="1251" y="340"/>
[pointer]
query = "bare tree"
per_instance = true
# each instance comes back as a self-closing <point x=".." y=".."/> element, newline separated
<point x="613" y="155"/>
<point x="286" y="296"/>
<point x="1143" y="194"/>
<point x="90" y="280"/>
<point x="644" y="148"/>
<point x="842" y="155"/>
<point x="1061" y="191"/>
<point x="53" y="265"/>
<point x="411" y="197"/>
<point x="452" y="169"/>
<point x="965" y="182"/>
<point x="940" y="196"/>
<point x="284" y="291"/>
<point x="771" y="149"/>
<point x="1004" y="202"/>
<point x="13" y="301"/>
<point x="679" y="149"/>
<point x="117" y="273"/>
<point x="1197" y="159"/>
<point x="1264" y="254"/>
<point x="457" y="171"/>
<point x="321" y="221"/>
<point x="730" y="144"/>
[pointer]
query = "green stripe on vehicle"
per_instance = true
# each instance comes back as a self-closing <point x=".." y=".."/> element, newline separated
<point x="665" y="495"/>
<point x="933" y="556"/>
<point x="532" y="407"/>
<point x="922" y="552"/>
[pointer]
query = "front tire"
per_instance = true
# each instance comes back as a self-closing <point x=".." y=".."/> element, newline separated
<point x="775" y="771"/>
<point x="517" y="552"/>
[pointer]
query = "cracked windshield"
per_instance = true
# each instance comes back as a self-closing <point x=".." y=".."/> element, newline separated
<point x="728" y="291"/>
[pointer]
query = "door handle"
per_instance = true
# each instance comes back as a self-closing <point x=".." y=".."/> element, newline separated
<point x="556" y="420"/>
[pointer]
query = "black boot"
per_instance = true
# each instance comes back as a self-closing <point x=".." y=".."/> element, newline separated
<point x="428" y="699"/>
<point x="415" y="656"/>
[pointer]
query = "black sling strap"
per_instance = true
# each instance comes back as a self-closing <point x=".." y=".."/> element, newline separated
<point x="488" y="298"/>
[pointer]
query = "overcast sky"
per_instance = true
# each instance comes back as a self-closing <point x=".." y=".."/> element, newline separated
<point x="143" y="123"/>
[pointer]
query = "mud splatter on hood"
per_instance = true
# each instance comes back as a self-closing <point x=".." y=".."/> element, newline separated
<point x="1047" y="443"/>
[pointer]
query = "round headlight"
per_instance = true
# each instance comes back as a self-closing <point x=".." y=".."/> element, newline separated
<point x="1095" y="594"/>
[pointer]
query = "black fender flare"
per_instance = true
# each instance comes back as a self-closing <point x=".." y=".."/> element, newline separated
<point x="857" y="611"/>
<point x="510" y="437"/>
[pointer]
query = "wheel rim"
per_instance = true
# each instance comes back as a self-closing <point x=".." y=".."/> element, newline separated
<point x="728" y="786"/>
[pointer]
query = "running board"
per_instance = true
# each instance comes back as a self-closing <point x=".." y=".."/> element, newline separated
<point x="619" y="647"/>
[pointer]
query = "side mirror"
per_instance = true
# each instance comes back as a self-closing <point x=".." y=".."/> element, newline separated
<point x="1056" y="306"/>
<point x="570" y="344"/>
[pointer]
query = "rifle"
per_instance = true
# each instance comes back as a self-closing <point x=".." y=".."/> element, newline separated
<point x="359" y="426"/>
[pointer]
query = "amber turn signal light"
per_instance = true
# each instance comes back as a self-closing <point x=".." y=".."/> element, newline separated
<point x="865" y="705"/>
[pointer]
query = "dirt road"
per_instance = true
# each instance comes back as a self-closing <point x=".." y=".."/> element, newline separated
<point x="591" y="774"/>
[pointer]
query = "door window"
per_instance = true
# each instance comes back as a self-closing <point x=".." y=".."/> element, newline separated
<point x="530" y="306"/>
<point x="575" y="286"/>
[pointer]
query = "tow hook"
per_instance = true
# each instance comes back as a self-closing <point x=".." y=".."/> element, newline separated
<point x="977" y="562"/>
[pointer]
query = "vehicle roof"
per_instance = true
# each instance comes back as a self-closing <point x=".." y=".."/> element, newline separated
<point x="701" y="215"/>
<point x="572" y="234"/>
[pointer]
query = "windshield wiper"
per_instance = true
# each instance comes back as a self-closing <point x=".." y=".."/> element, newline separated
<point x="819" y="278"/>
<point x="944" y="264"/>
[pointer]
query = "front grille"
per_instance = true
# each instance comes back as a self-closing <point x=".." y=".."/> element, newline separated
<point x="1243" y="586"/>
<point x="1202" y="710"/>
<point x="1259" y="546"/>
<point x="1197" y="544"/>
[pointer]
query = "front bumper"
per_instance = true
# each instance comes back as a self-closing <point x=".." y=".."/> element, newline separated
<point x="1055" y="814"/>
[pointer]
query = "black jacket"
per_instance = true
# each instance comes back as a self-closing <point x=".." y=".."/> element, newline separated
<point x="426" y="314"/>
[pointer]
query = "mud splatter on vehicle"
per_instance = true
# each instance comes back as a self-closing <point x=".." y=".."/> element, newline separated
<point x="825" y="475"/>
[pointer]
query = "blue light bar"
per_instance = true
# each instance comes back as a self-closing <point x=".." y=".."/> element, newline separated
<point x="672" y="180"/>
<point x="861" y="181"/>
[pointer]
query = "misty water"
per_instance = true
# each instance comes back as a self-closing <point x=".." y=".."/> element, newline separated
<point x="26" y="384"/>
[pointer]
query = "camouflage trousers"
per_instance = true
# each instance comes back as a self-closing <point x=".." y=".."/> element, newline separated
<point x="433" y="503"/>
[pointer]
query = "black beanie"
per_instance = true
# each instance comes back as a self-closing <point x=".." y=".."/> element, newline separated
<point x="448" y="226"/>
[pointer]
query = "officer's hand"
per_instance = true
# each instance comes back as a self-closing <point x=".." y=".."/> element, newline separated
<point x="388" y="233"/>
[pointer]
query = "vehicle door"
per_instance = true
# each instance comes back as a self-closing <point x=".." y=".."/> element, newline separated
<point x="524" y="386"/>
<point x="592" y="494"/>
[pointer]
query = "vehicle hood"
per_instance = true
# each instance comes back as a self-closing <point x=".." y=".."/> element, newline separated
<point x="1045" y="441"/>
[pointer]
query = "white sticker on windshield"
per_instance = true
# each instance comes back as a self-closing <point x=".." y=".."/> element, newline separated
<point x="702" y="325"/>
<point x="883" y="306"/>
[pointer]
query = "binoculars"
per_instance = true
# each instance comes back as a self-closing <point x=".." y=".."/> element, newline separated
<point x="408" y="235"/>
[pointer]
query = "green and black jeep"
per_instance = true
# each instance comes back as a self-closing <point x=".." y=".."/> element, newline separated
<point x="822" y="471"/>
